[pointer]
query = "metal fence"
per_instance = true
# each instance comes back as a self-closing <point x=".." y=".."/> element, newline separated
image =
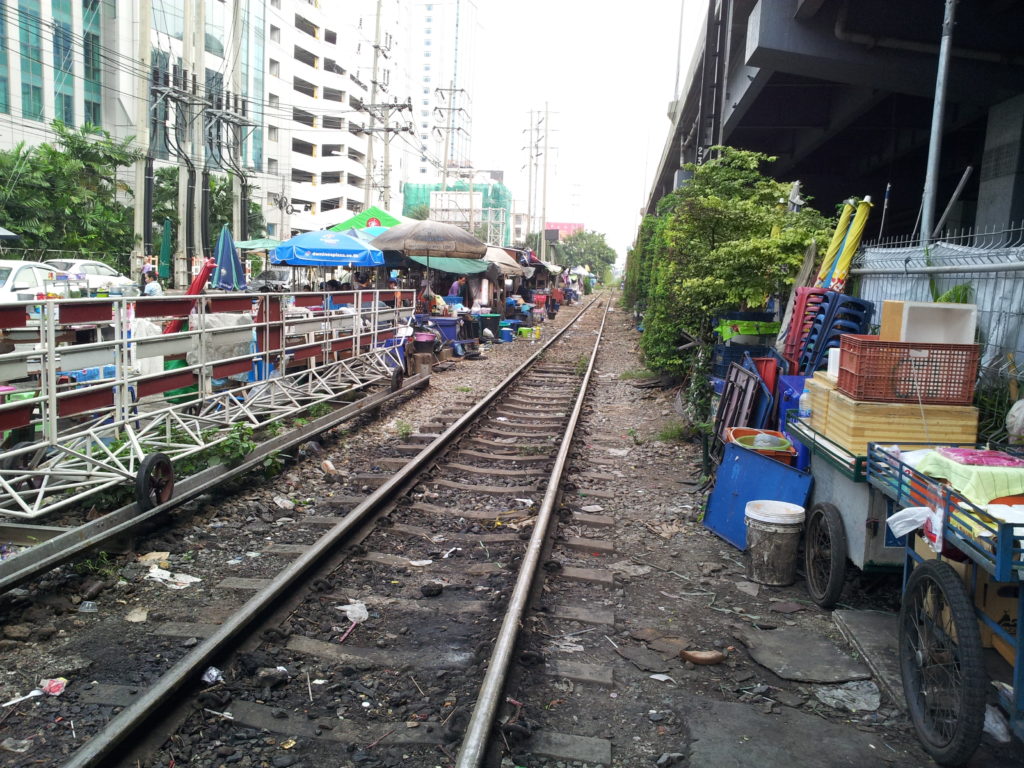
<point x="988" y="268"/>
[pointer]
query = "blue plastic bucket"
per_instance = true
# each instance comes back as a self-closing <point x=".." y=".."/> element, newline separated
<point x="507" y="334"/>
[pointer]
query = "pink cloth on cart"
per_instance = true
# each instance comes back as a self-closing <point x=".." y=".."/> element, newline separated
<point x="980" y="457"/>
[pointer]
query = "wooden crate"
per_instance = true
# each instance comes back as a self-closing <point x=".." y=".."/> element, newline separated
<point x="853" y="423"/>
<point x="819" y="387"/>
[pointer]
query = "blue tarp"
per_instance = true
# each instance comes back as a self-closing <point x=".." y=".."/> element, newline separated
<point x="324" y="248"/>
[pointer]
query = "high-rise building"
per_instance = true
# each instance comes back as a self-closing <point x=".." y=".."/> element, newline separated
<point x="442" y="40"/>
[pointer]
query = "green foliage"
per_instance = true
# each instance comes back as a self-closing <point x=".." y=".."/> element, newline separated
<point x="958" y="294"/>
<point x="273" y="464"/>
<point x="101" y="564"/>
<point x="67" y="196"/>
<point x="404" y="429"/>
<point x="675" y="432"/>
<point x="238" y="445"/>
<point x="581" y="364"/>
<point x="320" y="409"/>
<point x="720" y="242"/>
<point x="419" y="212"/>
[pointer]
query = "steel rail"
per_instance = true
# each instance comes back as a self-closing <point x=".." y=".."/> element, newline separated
<point x="102" y="746"/>
<point x="75" y="541"/>
<point x="475" y="742"/>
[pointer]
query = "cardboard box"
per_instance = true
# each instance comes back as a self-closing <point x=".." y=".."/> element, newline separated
<point x="999" y="601"/>
<point x="891" y="328"/>
<point x="855" y="423"/>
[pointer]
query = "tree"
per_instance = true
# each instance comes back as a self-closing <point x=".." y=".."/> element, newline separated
<point x="165" y="205"/>
<point x="586" y="248"/>
<point x="720" y="242"/>
<point x="419" y="212"/>
<point x="67" y="195"/>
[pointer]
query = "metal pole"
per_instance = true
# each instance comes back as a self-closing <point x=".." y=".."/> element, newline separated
<point x="885" y="209"/>
<point x="938" y="111"/>
<point x="544" y="189"/>
<point x="142" y="128"/>
<point x="953" y="199"/>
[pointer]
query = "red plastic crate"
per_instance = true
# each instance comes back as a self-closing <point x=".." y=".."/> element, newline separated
<point x="907" y="372"/>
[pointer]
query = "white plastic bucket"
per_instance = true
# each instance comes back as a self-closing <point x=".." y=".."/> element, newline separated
<point x="773" y="541"/>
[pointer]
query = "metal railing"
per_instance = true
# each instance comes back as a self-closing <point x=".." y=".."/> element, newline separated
<point x="94" y="386"/>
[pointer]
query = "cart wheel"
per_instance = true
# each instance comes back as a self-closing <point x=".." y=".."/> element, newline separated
<point x="940" y="663"/>
<point x="154" y="484"/>
<point x="24" y="462"/>
<point x="825" y="555"/>
<point x="397" y="377"/>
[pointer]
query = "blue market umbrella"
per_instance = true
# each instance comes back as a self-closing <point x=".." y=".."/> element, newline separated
<point x="366" y="234"/>
<point x="229" y="274"/>
<point x="324" y="248"/>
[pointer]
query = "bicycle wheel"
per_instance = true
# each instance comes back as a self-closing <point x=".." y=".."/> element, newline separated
<point x="825" y="554"/>
<point x="941" y="664"/>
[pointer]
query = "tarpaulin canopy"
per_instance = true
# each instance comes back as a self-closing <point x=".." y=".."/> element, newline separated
<point x="554" y="269"/>
<point x="324" y="248"/>
<point x="453" y="266"/>
<point x="259" y="244"/>
<point x="506" y="264"/>
<point x="366" y="234"/>
<point x="431" y="238"/>
<point x="372" y="216"/>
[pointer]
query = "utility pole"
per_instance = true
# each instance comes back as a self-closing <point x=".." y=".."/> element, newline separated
<point x="544" y="194"/>
<point x="239" y="204"/>
<point x="199" y="148"/>
<point x="186" y="179"/>
<point x="529" y="184"/>
<point x="373" y="117"/>
<point x="145" y="18"/>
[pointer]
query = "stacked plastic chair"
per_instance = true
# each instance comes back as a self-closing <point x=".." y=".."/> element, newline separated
<point x="805" y="309"/>
<point x="837" y="314"/>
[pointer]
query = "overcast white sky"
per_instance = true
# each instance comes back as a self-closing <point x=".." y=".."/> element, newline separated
<point x="607" y="71"/>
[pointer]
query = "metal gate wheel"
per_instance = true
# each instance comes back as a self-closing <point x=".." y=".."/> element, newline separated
<point x="154" y="483"/>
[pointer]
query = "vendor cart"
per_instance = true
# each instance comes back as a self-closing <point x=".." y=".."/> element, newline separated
<point x="845" y="519"/>
<point x="954" y="604"/>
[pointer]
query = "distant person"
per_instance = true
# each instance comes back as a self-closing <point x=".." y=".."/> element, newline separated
<point x="526" y="294"/>
<point x="391" y="297"/>
<point x="333" y="285"/>
<point x="362" y="280"/>
<point x="457" y="285"/>
<point x="152" y="285"/>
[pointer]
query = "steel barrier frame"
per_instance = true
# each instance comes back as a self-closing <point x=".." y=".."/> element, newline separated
<point x="94" y="435"/>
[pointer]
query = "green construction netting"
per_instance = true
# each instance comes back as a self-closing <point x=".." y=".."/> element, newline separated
<point x="494" y="196"/>
<point x="453" y="266"/>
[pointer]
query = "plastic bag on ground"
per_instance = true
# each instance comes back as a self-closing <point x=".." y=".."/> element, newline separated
<point x="355" y="612"/>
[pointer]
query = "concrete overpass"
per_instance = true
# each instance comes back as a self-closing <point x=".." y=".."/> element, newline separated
<point x="841" y="92"/>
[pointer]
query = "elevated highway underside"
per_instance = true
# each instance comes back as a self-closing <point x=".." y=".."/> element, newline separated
<point x="841" y="92"/>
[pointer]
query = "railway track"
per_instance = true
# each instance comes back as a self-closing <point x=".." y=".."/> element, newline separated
<point x="388" y="638"/>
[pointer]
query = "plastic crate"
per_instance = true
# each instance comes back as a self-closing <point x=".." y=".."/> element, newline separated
<point x="724" y="355"/>
<point x="907" y="372"/>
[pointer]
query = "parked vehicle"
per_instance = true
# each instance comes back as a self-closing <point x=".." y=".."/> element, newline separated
<point x="271" y="281"/>
<point x="96" y="273"/>
<point x="23" y="280"/>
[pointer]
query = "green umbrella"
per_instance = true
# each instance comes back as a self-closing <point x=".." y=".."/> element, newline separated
<point x="164" y="262"/>
<point x="260" y="244"/>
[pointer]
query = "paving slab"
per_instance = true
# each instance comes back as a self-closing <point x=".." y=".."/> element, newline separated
<point x="794" y="654"/>
<point x="732" y="735"/>
<point x="873" y="634"/>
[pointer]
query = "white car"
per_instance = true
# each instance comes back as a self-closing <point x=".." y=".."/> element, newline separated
<point x="23" y="280"/>
<point x="96" y="273"/>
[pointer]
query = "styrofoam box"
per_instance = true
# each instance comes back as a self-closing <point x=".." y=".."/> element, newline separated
<point x="936" y="323"/>
<point x="833" y="362"/>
